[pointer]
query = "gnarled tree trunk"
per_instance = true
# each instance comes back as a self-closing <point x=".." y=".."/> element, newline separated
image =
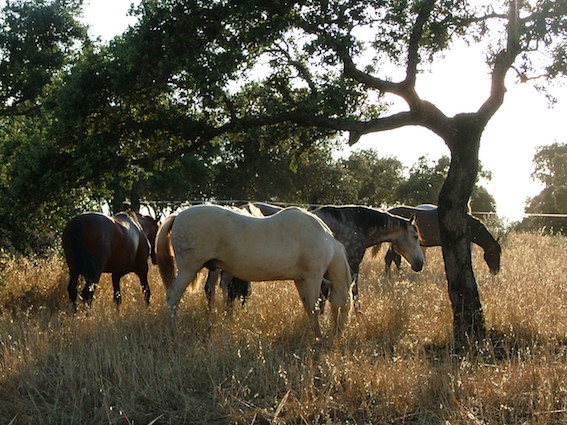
<point x="468" y="318"/>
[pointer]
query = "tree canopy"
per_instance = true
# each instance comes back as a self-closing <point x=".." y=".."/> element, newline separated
<point x="37" y="39"/>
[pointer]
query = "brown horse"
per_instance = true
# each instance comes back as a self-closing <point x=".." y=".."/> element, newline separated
<point x="428" y="222"/>
<point x="96" y="244"/>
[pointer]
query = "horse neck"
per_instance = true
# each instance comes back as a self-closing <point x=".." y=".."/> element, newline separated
<point x="148" y="228"/>
<point x="480" y="234"/>
<point x="380" y="227"/>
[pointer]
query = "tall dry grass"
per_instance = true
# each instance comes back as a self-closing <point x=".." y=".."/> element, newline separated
<point x="393" y="365"/>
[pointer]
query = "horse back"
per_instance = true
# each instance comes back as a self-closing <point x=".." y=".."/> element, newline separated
<point x="219" y="226"/>
<point x="251" y="248"/>
<point x="426" y="220"/>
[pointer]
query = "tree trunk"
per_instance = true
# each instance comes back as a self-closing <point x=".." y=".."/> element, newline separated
<point x="468" y="318"/>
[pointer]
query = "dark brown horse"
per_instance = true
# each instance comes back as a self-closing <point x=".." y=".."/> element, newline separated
<point x="96" y="244"/>
<point x="360" y="227"/>
<point x="428" y="222"/>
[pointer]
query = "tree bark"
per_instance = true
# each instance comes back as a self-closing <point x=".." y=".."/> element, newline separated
<point x="468" y="317"/>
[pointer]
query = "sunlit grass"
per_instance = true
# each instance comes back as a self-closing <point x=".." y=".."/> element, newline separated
<point x="262" y="365"/>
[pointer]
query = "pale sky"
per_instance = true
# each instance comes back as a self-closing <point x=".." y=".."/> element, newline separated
<point x="523" y="123"/>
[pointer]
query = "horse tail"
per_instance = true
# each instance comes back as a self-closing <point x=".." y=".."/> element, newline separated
<point x="164" y="252"/>
<point x="84" y="259"/>
<point x="341" y="282"/>
<point x="375" y="250"/>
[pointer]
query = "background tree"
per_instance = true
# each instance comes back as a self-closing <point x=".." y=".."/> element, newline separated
<point x="374" y="178"/>
<point x="424" y="182"/>
<point x="36" y="41"/>
<point x="551" y="170"/>
<point x="426" y="179"/>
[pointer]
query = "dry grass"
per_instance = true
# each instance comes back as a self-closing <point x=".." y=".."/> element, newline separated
<point x="393" y="365"/>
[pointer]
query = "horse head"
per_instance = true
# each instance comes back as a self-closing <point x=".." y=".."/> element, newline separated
<point x="407" y="243"/>
<point x="492" y="257"/>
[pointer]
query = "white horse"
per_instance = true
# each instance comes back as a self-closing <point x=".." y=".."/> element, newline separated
<point x="290" y="245"/>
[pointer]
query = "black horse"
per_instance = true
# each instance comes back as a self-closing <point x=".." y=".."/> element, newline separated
<point x="428" y="222"/>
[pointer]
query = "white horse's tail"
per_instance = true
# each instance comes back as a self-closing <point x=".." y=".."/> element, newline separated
<point x="164" y="252"/>
<point x="341" y="283"/>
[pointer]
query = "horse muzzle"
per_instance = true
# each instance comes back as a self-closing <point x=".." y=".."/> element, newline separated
<point x="417" y="265"/>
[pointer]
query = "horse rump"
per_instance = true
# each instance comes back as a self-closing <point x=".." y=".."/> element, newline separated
<point x="79" y="258"/>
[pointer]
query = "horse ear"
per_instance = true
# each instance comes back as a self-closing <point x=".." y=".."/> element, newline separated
<point x="413" y="219"/>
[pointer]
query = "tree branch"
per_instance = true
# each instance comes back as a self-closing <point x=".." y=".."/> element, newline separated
<point x="415" y="38"/>
<point x="300" y="67"/>
<point x="502" y="63"/>
<point x="351" y="71"/>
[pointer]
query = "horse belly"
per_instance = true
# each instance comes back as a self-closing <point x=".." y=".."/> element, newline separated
<point x="119" y="264"/>
<point x="291" y="260"/>
<point x="260" y="267"/>
<point x="124" y="258"/>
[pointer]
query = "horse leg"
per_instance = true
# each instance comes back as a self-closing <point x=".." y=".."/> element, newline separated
<point x="211" y="285"/>
<point x="227" y="289"/>
<point x="341" y="304"/>
<point x="309" y="290"/>
<point x="391" y="256"/>
<point x="88" y="291"/>
<point x="72" y="288"/>
<point x="324" y="295"/>
<point x="187" y="272"/>
<point x="227" y="284"/>
<point x="145" y="287"/>
<point x="237" y="288"/>
<point x="339" y="271"/>
<point x="116" y="289"/>
<point x="354" y="290"/>
<point x="142" y="274"/>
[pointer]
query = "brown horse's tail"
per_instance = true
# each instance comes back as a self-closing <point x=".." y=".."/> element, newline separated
<point x="164" y="252"/>
<point x="76" y="249"/>
<point x="341" y="281"/>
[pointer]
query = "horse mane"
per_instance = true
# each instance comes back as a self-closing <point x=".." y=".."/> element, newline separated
<point x="365" y="217"/>
<point x="392" y="221"/>
<point x="251" y="209"/>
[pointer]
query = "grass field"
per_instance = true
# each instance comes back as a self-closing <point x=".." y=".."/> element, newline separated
<point x="393" y="365"/>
